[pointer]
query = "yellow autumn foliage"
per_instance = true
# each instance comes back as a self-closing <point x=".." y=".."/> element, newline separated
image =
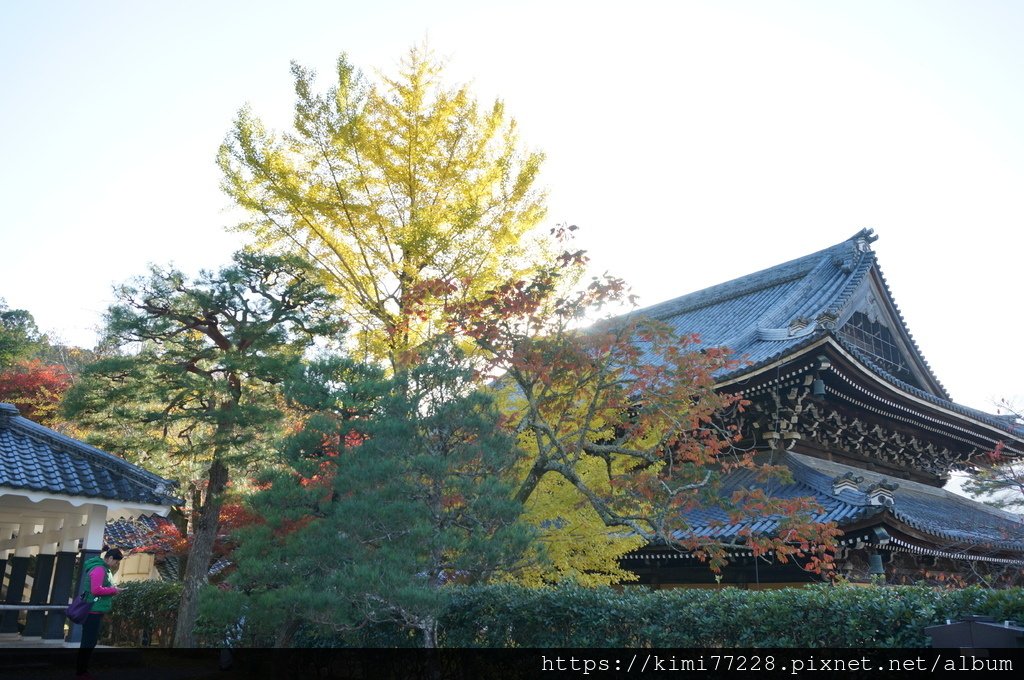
<point x="406" y="194"/>
<point x="577" y="544"/>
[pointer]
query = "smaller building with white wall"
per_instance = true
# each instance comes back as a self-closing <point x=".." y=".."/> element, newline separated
<point x="56" y="496"/>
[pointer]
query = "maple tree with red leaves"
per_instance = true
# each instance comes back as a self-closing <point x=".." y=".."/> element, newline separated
<point x="624" y="418"/>
<point x="36" y="389"/>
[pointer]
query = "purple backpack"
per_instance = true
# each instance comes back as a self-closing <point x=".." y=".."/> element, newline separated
<point x="78" y="610"/>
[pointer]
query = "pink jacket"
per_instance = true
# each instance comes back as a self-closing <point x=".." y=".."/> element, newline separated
<point x="96" y="586"/>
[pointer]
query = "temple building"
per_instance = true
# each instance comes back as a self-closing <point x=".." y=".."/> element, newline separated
<point x="840" y="393"/>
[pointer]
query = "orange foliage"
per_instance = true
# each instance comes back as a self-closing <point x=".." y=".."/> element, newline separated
<point x="36" y="389"/>
<point x="636" y="395"/>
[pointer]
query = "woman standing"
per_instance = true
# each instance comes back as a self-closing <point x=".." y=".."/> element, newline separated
<point x="101" y="591"/>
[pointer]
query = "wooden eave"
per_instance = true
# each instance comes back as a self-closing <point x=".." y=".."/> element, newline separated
<point x="887" y="398"/>
<point x="857" y="391"/>
<point x="900" y="530"/>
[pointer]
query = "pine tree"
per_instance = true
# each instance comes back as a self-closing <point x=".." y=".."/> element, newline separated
<point x="395" y="489"/>
<point x="197" y="380"/>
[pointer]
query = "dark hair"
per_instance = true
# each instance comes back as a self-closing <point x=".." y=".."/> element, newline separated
<point x="116" y="554"/>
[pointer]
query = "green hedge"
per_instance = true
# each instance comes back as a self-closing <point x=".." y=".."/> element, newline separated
<point x="572" y="616"/>
<point x="144" y="614"/>
<point x="815" y="616"/>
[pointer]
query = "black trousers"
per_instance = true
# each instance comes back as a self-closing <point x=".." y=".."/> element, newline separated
<point x="90" y="635"/>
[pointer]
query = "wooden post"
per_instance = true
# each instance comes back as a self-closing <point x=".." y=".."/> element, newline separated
<point x="92" y="544"/>
<point x="64" y="570"/>
<point x="15" y="592"/>
<point x="40" y="592"/>
<point x="42" y="578"/>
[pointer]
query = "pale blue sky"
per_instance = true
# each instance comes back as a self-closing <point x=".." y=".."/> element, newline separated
<point x="692" y="141"/>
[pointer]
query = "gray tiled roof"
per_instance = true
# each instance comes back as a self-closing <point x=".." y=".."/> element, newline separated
<point x="753" y="315"/>
<point x="764" y="316"/>
<point x="130" y="534"/>
<point x="713" y="522"/>
<point x="36" y="458"/>
<point x="948" y="517"/>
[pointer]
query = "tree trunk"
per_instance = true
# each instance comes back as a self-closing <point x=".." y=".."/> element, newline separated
<point x="433" y="664"/>
<point x="429" y="628"/>
<point x="286" y="633"/>
<point x="198" y="565"/>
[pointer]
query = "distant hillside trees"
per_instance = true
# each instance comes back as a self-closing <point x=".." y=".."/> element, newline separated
<point x="36" y="371"/>
<point x="19" y="337"/>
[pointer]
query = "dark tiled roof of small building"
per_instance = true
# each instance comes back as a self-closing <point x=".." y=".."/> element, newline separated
<point x="36" y="458"/>
<point x="150" y="532"/>
<point x="950" y="518"/>
<point x="156" y="535"/>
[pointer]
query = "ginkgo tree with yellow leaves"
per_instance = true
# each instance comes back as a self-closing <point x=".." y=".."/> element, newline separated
<point x="406" y="194"/>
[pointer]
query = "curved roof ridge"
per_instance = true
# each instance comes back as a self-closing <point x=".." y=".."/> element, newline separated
<point x="804" y="461"/>
<point x="959" y="499"/>
<point x="868" y="261"/>
<point x="958" y="535"/>
<point x="778" y="314"/>
<point x="765" y="278"/>
<point x="821" y="482"/>
<point x="823" y="293"/>
<point x="813" y="472"/>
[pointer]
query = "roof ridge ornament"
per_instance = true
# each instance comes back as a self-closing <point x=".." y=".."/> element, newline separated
<point x="864" y="238"/>
<point x="8" y="411"/>
<point x="860" y="244"/>
<point x="846" y="482"/>
<point x="827" y="320"/>
<point x="881" y="493"/>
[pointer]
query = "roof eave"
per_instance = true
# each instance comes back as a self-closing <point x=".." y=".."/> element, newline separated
<point x="823" y="340"/>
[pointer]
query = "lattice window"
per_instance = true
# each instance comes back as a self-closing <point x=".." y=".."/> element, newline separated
<point x="877" y="342"/>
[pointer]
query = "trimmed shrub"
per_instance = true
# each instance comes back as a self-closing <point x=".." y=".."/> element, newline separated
<point x="813" y="617"/>
<point x="144" y="614"/>
<point x="819" y="616"/>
